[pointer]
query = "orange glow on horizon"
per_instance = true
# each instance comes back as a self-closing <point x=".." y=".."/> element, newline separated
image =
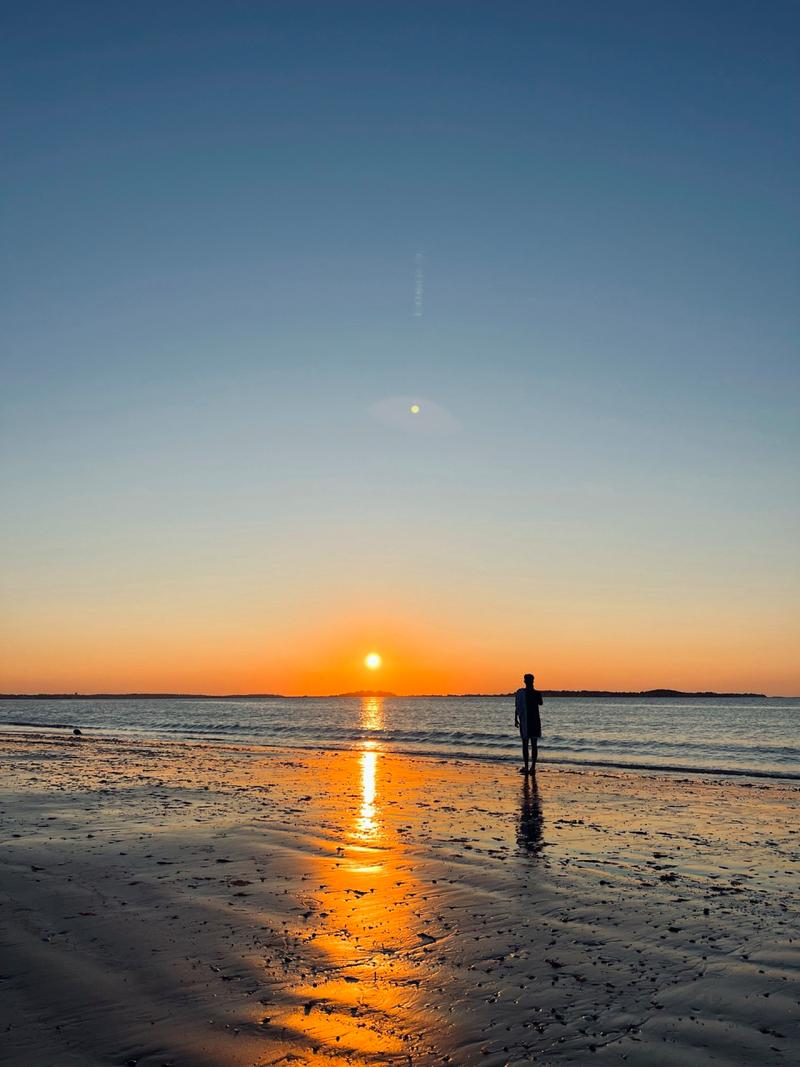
<point x="477" y="650"/>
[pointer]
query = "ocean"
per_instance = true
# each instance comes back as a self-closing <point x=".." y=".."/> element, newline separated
<point x="738" y="736"/>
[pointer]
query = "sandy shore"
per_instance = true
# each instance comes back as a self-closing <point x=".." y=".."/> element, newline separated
<point x="197" y="906"/>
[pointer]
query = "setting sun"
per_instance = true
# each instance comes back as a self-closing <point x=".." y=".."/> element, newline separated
<point x="372" y="660"/>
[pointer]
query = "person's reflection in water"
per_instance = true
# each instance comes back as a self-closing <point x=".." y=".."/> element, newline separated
<point x="531" y="820"/>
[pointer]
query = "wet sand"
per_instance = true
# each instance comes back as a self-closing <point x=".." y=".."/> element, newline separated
<point x="216" y="906"/>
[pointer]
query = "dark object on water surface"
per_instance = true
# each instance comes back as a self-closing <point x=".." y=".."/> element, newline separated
<point x="77" y="732"/>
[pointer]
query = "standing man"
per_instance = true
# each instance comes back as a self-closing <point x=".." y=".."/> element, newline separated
<point x="527" y="702"/>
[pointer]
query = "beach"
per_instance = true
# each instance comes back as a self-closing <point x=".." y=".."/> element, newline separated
<point x="200" y="904"/>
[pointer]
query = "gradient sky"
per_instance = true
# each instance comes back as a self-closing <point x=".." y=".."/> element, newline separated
<point x="211" y="214"/>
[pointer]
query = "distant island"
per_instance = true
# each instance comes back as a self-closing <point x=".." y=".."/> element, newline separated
<point x="357" y="693"/>
<point x="361" y="693"/>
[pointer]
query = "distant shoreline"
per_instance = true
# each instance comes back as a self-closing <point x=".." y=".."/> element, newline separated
<point x="594" y="693"/>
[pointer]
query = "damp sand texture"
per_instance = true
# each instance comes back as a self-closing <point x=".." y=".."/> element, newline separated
<point x="204" y="905"/>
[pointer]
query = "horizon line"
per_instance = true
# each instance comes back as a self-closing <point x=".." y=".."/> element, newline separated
<point x="160" y="695"/>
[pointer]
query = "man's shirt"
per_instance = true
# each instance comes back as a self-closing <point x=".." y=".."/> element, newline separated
<point x="527" y="703"/>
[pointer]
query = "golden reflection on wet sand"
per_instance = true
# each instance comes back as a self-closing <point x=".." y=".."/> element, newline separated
<point x="366" y="826"/>
<point x="360" y="1001"/>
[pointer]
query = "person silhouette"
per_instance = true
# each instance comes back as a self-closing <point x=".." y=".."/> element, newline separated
<point x="527" y="702"/>
<point x="531" y="819"/>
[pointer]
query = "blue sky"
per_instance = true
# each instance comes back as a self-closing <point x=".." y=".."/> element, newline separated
<point x="210" y="220"/>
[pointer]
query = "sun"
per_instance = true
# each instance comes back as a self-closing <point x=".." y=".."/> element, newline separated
<point x="372" y="660"/>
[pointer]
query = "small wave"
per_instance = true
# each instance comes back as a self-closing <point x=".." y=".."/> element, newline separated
<point x="38" y="725"/>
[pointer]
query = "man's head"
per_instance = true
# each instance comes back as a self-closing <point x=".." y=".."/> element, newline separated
<point x="528" y="680"/>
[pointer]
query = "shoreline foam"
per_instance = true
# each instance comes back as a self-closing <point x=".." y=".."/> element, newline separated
<point x="137" y="735"/>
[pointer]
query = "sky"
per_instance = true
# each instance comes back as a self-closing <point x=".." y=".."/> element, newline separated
<point x="240" y="240"/>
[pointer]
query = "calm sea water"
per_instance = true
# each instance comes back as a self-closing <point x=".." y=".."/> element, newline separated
<point x="745" y="736"/>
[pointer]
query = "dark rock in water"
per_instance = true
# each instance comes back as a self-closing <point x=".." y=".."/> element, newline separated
<point x="77" y="732"/>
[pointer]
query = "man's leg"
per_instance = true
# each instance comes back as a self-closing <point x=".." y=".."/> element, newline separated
<point x="534" y="753"/>
<point x="525" y="753"/>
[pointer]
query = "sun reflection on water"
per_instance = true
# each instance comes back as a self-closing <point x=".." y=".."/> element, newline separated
<point x="372" y="713"/>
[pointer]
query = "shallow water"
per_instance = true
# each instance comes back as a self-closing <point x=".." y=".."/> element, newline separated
<point x="751" y="736"/>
